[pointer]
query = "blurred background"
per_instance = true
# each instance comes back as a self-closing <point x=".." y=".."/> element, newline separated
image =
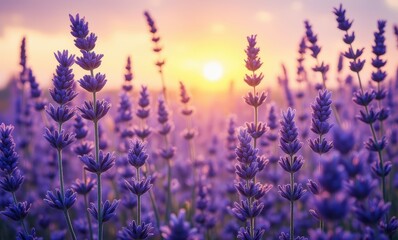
<point x="197" y="36"/>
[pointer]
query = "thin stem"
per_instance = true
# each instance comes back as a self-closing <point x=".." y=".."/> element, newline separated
<point x="291" y="203"/>
<point x="138" y="199"/>
<point x="22" y="222"/>
<point x="61" y="180"/>
<point x="99" y="187"/>
<point x="379" y="105"/>
<point x="90" y="227"/>
<point x="70" y="227"/>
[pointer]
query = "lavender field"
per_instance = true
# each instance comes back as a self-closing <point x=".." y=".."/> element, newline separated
<point x="309" y="154"/>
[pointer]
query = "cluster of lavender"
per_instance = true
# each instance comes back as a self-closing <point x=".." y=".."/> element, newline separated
<point x="249" y="161"/>
<point x="11" y="180"/>
<point x="182" y="187"/>
<point x="63" y="93"/>
<point x="364" y="98"/>
<point x="291" y="163"/>
<point x="99" y="162"/>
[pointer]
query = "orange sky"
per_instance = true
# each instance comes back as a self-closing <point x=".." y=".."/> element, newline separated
<point x="193" y="33"/>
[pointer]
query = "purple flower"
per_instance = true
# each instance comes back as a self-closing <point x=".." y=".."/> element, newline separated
<point x="252" y="190"/>
<point x="289" y="142"/>
<point x="89" y="61"/>
<point x="60" y="202"/>
<point x="105" y="162"/>
<point x="390" y="228"/>
<point x="332" y="208"/>
<point x="361" y="187"/>
<point x="8" y="155"/>
<point x="137" y="155"/>
<point x="255" y="100"/>
<point x="93" y="84"/>
<point x="83" y="148"/>
<point x="17" y="211"/>
<point x="343" y="23"/>
<point x="78" y="26"/>
<point x="60" y="114"/>
<point x="87" y="43"/>
<point x="291" y="165"/>
<point x="373" y="212"/>
<point x="12" y="182"/>
<point x="63" y="91"/>
<point x="83" y="188"/>
<point x="245" y="210"/>
<point x="290" y="194"/>
<point x="108" y="210"/>
<point x="151" y="23"/>
<point x="244" y="234"/>
<point x="94" y="113"/>
<point x="139" y="187"/>
<point x="184" y="94"/>
<point x="81" y="130"/>
<point x="136" y="231"/>
<point x="59" y="140"/>
<point x="364" y="98"/>
<point x="178" y="228"/>
<point x="253" y="62"/>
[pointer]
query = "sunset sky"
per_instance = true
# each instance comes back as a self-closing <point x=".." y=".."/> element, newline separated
<point x="193" y="33"/>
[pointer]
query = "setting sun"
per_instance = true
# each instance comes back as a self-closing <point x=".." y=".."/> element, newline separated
<point x="213" y="71"/>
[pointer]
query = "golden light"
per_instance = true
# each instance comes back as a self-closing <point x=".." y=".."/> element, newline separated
<point x="213" y="71"/>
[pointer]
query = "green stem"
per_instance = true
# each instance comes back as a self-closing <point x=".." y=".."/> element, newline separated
<point x="291" y="203"/>
<point x="99" y="187"/>
<point x="90" y="227"/>
<point x="22" y="222"/>
<point x="70" y="227"/>
<point x="138" y="199"/>
<point x="61" y="180"/>
<point x="169" y="203"/>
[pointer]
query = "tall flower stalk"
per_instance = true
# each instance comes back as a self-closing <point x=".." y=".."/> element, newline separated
<point x="189" y="133"/>
<point x="319" y="67"/>
<point x="93" y="111"/>
<point x="255" y="99"/>
<point x="320" y="126"/>
<point x="364" y="99"/>
<point x="11" y="180"/>
<point x="143" y="131"/>
<point x="137" y="158"/>
<point x="378" y="76"/>
<point x="62" y="94"/>
<point x="158" y="50"/>
<point x="167" y="152"/>
<point x="250" y="206"/>
<point x="291" y="162"/>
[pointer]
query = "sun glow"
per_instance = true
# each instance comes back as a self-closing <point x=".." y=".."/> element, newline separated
<point x="213" y="71"/>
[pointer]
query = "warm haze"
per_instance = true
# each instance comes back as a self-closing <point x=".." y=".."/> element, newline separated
<point x="193" y="34"/>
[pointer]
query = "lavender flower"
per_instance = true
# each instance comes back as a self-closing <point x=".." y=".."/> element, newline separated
<point x="158" y="50"/>
<point x="178" y="228"/>
<point x="356" y="64"/>
<point x="248" y="166"/>
<point x="11" y="177"/>
<point x="93" y="111"/>
<point x="62" y="93"/>
<point x="319" y="123"/>
<point x="136" y="232"/>
<point x="291" y="163"/>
